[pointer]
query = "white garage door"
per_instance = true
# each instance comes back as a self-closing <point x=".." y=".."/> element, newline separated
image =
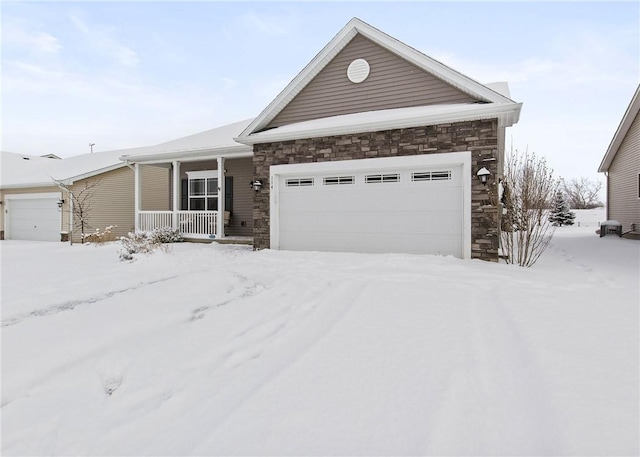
<point x="32" y="217"/>
<point x="400" y="205"/>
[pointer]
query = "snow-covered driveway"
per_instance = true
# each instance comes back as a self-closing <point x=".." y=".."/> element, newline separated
<point x="212" y="349"/>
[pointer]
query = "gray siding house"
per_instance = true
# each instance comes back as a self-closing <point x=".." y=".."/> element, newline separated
<point x="621" y="165"/>
<point x="372" y="147"/>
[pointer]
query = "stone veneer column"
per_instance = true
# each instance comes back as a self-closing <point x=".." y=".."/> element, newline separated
<point x="479" y="137"/>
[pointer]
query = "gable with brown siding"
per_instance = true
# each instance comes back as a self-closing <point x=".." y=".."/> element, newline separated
<point x="392" y="83"/>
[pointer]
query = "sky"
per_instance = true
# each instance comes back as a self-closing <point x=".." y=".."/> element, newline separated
<point x="129" y="74"/>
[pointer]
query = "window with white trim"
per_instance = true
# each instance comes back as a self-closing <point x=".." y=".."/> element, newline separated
<point x="337" y="180"/>
<point x="203" y="191"/>
<point x="444" y="175"/>
<point x="298" y="182"/>
<point x="382" y="178"/>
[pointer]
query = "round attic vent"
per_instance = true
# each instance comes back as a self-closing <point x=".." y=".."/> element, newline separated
<point x="358" y="71"/>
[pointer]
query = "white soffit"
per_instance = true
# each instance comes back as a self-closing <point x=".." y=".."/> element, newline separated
<point x="353" y="27"/>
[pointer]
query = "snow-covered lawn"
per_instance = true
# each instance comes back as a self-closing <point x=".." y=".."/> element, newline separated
<point x="219" y="350"/>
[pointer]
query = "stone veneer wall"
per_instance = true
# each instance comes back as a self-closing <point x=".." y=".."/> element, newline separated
<point x="479" y="137"/>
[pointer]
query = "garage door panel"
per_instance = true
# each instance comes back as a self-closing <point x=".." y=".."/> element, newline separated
<point x="400" y="215"/>
<point x="373" y="221"/>
<point x="33" y="219"/>
<point x="374" y="243"/>
<point x="348" y="199"/>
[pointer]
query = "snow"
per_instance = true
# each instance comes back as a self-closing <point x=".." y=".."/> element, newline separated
<point x="371" y="121"/>
<point x="38" y="171"/>
<point x="220" y="350"/>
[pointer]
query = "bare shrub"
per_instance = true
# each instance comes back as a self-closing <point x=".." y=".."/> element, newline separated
<point x="80" y="205"/>
<point x="526" y="230"/>
<point x="583" y="193"/>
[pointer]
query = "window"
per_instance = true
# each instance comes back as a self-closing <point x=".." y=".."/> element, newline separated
<point x="299" y="182"/>
<point x="374" y="179"/>
<point x="431" y="176"/>
<point x="204" y="195"/>
<point x="337" y="180"/>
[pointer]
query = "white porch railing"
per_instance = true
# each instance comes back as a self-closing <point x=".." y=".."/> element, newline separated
<point x="191" y="224"/>
<point x="150" y="220"/>
<point x="198" y="224"/>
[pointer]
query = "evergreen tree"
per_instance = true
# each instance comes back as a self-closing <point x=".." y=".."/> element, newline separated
<point x="560" y="212"/>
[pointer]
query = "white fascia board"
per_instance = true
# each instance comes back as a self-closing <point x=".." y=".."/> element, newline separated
<point x="628" y="118"/>
<point x="507" y="115"/>
<point x="190" y="155"/>
<point x="302" y="79"/>
<point x="403" y="50"/>
<point x="28" y="185"/>
<point x="417" y="58"/>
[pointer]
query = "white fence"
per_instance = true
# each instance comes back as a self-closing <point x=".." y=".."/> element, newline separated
<point x="191" y="224"/>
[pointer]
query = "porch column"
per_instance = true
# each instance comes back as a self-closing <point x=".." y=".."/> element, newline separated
<point x="137" y="195"/>
<point x="176" y="194"/>
<point x="220" y="224"/>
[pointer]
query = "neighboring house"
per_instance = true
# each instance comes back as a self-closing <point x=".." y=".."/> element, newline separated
<point x="34" y="207"/>
<point x="621" y="165"/>
<point x="373" y="147"/>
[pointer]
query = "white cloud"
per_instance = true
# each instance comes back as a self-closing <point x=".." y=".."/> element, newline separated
<point x="268" y="24"/>
<point x="104" y="39"/>
<point x="14" y="34"/>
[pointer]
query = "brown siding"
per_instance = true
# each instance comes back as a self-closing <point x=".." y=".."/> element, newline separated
<point x="28" y="190"/>
<point x="392" y="83"/>
<point x="479" y="137"/>
<point x="111" y="202"/>
<point x="156" y="194"/>
<point x="622" y="198"/>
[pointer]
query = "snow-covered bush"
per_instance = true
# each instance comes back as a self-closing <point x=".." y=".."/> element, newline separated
<point x="166" y="235"/>
<point x="560" y="213"/>
<point x="99" y="237"/>
<point x="147" y="242"/>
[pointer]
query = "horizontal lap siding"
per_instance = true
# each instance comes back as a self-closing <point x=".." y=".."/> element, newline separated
<point x="392" y="83"/>
<point x="112" y="202"/>
<point x="156" y="195"/>
<point x="624" y="205"/>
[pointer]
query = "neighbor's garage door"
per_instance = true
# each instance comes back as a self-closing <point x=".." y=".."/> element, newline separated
<point x="392" y="209"/>
<point x="35" y="218"/>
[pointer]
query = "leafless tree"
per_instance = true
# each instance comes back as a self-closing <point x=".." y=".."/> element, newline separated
<point x="80" y="205"/>
<point x="583" y="193"/>
<point x="528" y="185"/>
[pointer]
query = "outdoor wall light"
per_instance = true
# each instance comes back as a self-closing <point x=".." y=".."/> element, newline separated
<point x="483" y="175"/>
<point x="256" y="185"/>
<point x="60" y="202"/>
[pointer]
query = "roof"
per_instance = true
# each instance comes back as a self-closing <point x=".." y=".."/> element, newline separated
<point x="373" y="121"/>
<point x="41" y="171"/>
<point x="210" y="143"/>
<point x="20" y="170"/>
<point x="356" y="26"/>
<point x="621" y="132"/>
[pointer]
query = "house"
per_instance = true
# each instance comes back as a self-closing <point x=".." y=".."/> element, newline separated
<point x="372" y="147"/>
<point x="621" y="165"/>
<point x="35" y="207"/>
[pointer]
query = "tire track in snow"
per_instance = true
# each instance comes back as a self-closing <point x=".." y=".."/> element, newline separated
<point x="67" y="306"/>
<point x="494" y="401"/>
<point x="270" y="336"/>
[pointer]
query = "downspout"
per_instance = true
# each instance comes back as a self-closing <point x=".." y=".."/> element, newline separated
<point x="70" y="211"/>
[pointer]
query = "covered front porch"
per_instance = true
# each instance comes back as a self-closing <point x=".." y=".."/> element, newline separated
<point x="203" y="199"/>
